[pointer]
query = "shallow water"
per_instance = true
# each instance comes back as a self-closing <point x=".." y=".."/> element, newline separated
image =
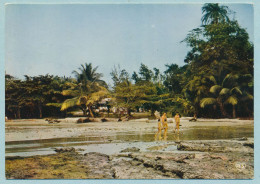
<point x="114" y="142"/>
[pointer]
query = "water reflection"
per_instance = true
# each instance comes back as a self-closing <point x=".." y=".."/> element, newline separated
<point x="194" y="133"/>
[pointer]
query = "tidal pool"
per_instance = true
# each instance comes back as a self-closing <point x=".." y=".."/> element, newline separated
<point x="113" y="142"/>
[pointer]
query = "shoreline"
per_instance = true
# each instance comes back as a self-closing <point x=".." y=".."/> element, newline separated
<point x="206" y="149"/>
<point x="36" y="129"/>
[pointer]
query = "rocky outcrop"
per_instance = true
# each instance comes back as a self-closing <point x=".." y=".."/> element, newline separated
<point x="218" y="159"/>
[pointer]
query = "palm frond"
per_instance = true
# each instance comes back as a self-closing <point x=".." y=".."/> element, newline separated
<point x="227" y="78"/>
<point x="212" y="79"/>
<point x="236" y="90"/>
<point x="249" y="96"/>
<point x="224" y="91"/>
<point x="70" y="92"/>
<point x="215" y="89"/>
<point x="207" y="101"/>
<point x="69" y="103"/>
<point x="232" y="100"/>
<point x="96" y="96"/>
<point x="54" y="104"/>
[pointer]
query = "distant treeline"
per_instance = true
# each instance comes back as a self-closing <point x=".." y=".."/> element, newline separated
<point x="216" y="80"/>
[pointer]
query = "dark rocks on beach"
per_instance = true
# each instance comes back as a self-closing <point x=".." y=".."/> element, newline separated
<point x="221" y="159"/>
<point x="217" y="146"/>
<point x="63" y="150"/>
<point x="123" y="119"/>
<point x="199" y="147"/>
<point x="104" y="120"/>
<point x="81" y="120"/>
<point x="133" y="149"/>
<point x="193" y="119"/>
<point x="249" y="144"/>
<point x="50" y="120"/>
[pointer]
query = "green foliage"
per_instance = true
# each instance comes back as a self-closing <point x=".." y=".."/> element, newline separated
<point x="221" y="63"/>
<point x="88" y="90"/>
<point x="207" y="101"/>
<point x="27" y="98"/>
<point x="216" y="81"/>
<point x="213" y="13"/>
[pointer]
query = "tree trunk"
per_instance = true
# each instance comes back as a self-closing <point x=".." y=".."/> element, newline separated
<point x="222" y="109"/>
<point x="128" y="112"/>
<point x="18" y="113"/>
<point x="90" y="111"/>
<point x="84" y="111"/>
<point x="152" y="112"/>
<point x="234" y="111"/>
<point x="40" y="111"/>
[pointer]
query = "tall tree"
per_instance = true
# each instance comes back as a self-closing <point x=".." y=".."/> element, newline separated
<point x="218" y="48"/>
<point x="213" y="13"/>
<point x="224" y="92"/>
<point x="145" y="72"/>
<point x="87" y="92"/>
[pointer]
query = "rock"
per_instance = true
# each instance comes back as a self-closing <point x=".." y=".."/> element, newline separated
<point x="133" y="149"/>
<point x="200" y="147"/>
<point x="219" y="157"/>
<point x="104" y="120"/>
<point x="57" y="121"/>
<point x="193" y="119"/>
<point x="81" y="120"/>
<point x="243" y="139"/>
<point x="63" y="150"/>
<point x="80" y="149"/>
<point x="249" y="144"/>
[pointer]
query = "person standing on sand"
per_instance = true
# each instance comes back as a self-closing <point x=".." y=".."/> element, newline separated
<point x="177" y="121"/>
<point x="165" y="125"/>
<point x="159" y="132"/>
<point x="162" y="124"/>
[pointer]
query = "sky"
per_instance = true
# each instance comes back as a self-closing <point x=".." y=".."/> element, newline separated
<point x="57" y="39"/>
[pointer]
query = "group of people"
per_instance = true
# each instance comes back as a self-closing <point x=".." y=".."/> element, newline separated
<point x="163" y="125"/>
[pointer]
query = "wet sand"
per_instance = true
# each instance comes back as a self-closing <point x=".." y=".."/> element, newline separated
<point x="19" y="130"/>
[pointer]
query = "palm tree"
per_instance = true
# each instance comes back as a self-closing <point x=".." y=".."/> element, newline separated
<point x="227" y="92"/>
<point x="88" y="74"/>
<point x="195" y="90"/>
<point x="88" y="90"/>
<point x="213" y="13"/>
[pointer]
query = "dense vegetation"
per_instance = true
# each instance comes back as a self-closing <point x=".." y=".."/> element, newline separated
<point x="216" y="80"/>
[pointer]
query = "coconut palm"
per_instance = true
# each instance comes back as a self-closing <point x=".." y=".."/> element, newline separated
<point x="87" y="74"/>
<point x="213" y="13"/>
<point x="195" y="90"/>
<point x="88" y="90"/>
<point x="227" y="92"/>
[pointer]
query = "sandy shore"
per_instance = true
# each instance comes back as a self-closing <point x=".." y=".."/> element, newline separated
<point x="35" y="129"/>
